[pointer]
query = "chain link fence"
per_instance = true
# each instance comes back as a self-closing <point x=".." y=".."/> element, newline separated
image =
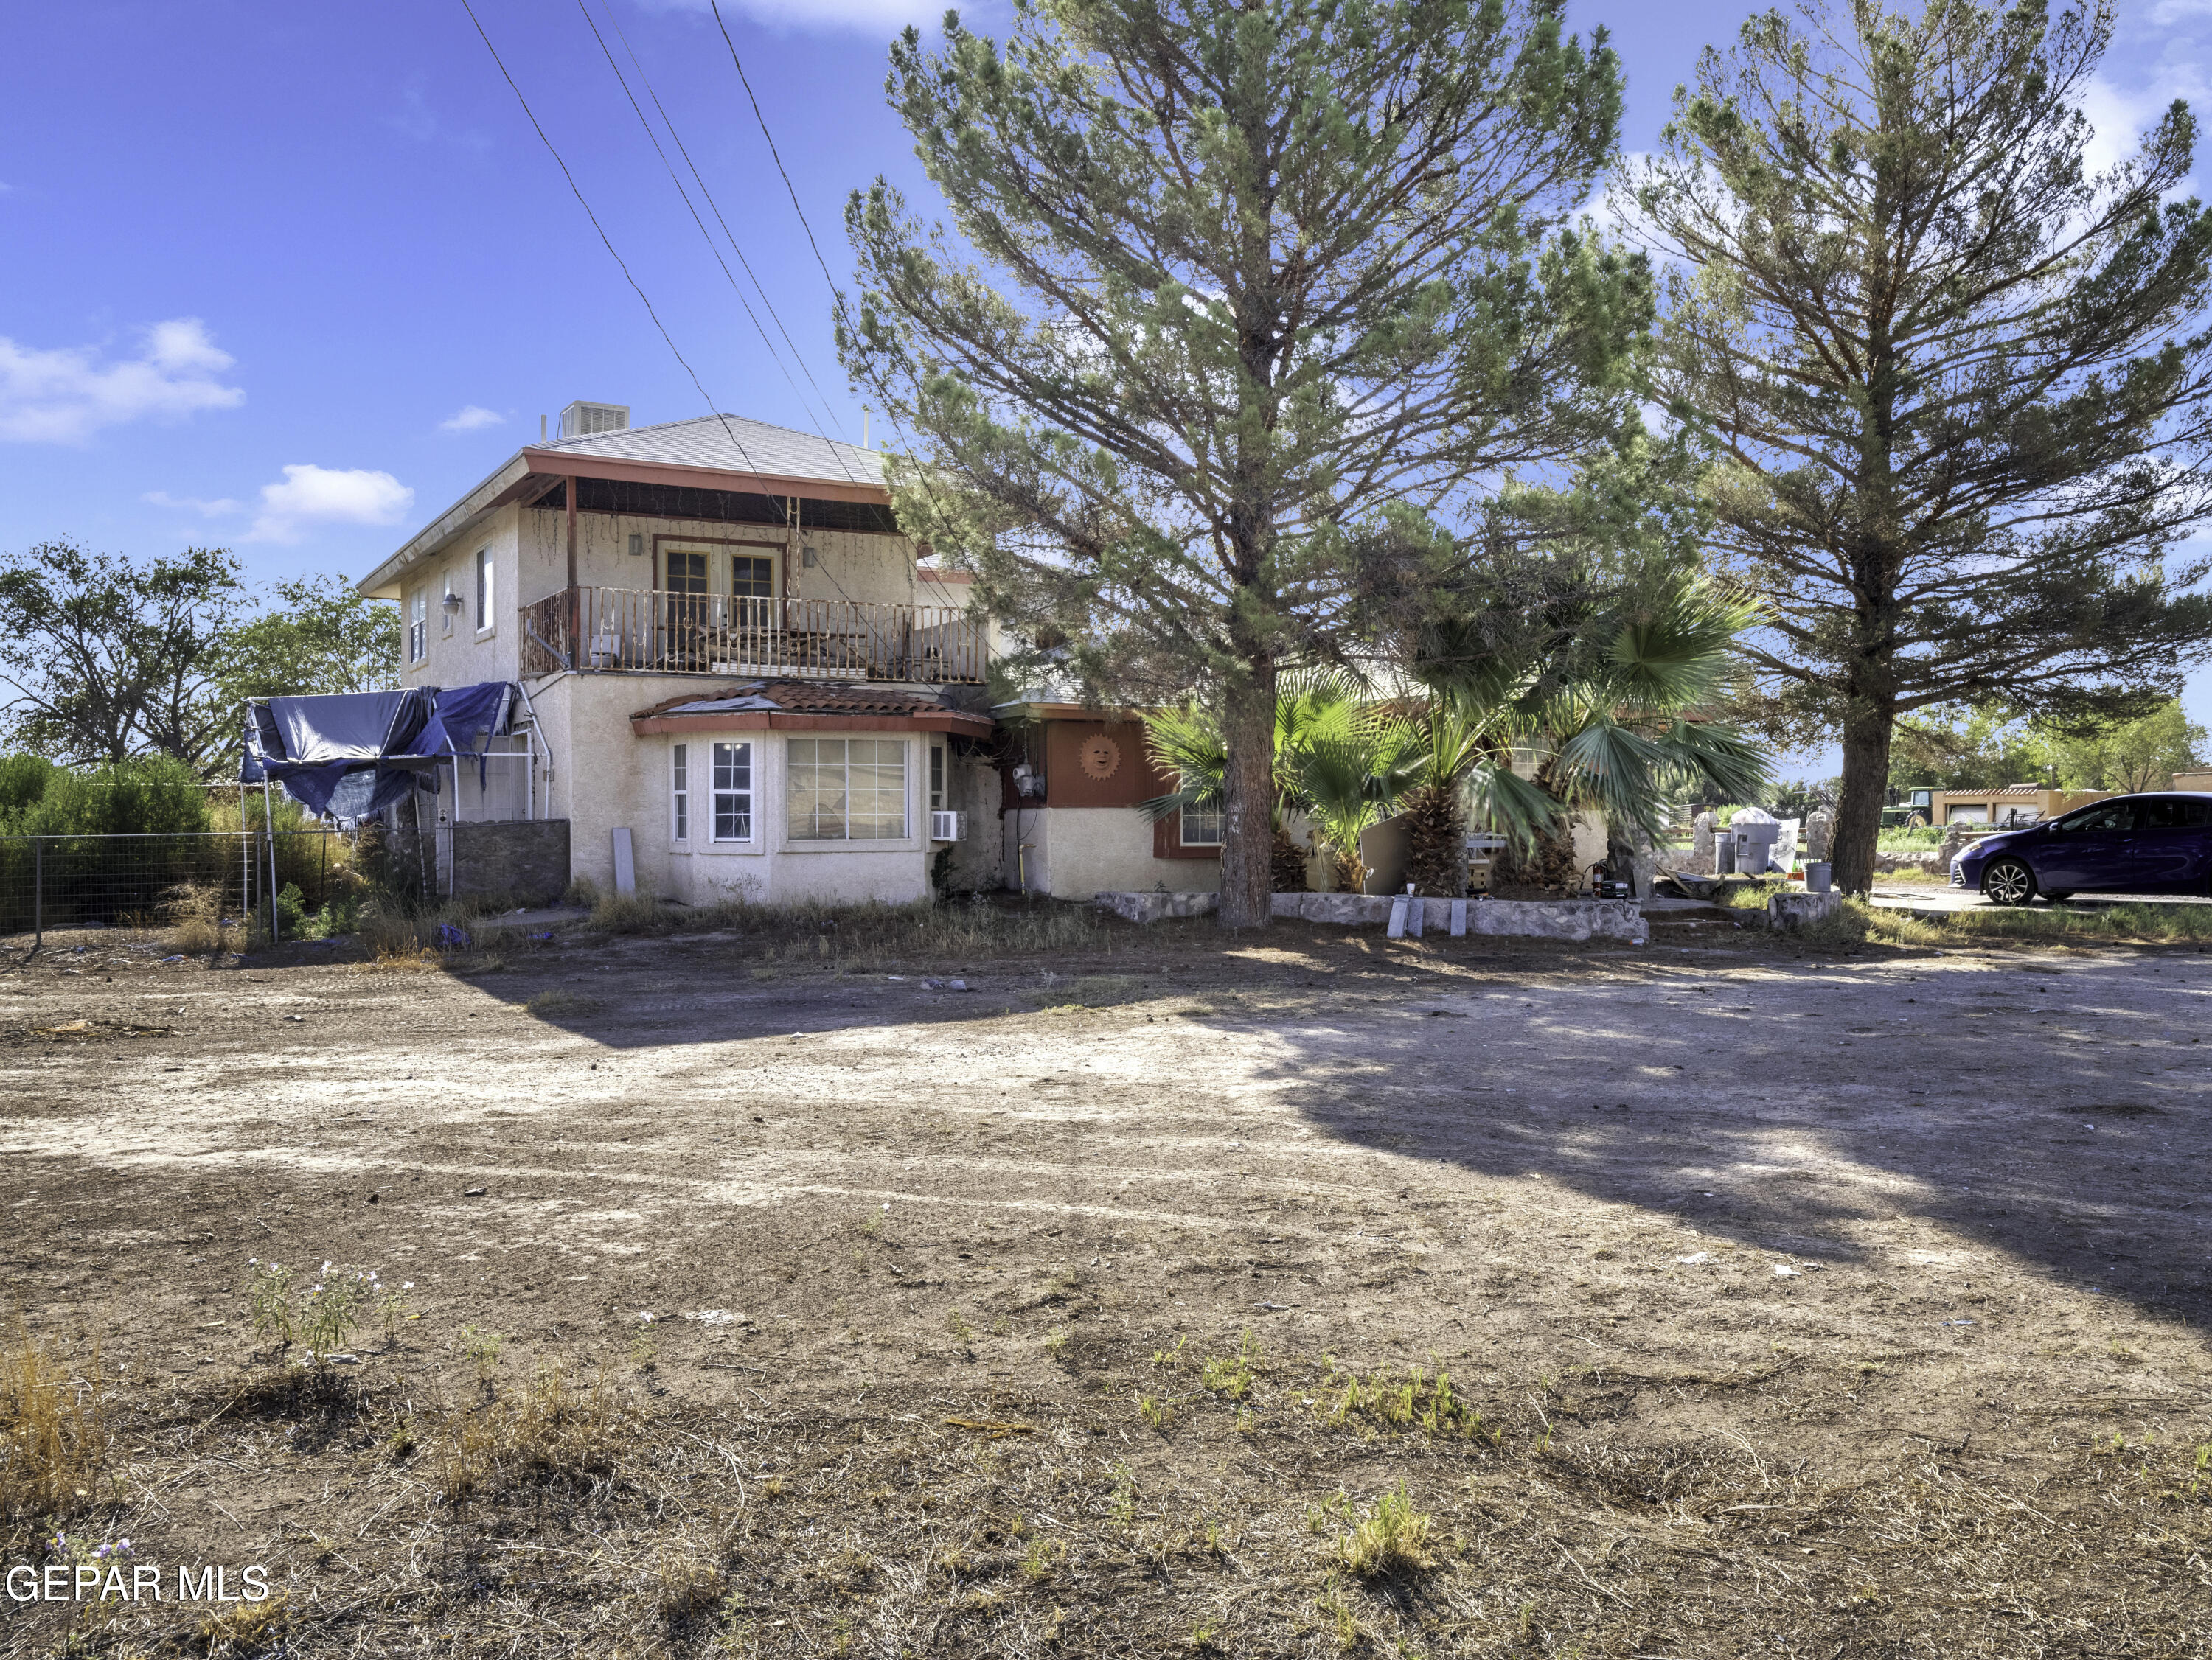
<point x="56" y="884"/>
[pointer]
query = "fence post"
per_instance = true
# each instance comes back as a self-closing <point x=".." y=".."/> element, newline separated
<point x="37" y="893"/>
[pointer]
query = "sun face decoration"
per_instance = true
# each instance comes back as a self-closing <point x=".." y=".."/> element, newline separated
<point x="1100" y="757"/>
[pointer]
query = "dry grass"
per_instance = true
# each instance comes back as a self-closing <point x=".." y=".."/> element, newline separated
<point x="54" y="1441"/>
<point x="245" y="1629"/>
<point x="192" y="920"/>
<point x="2106" y="924"/>
<point x="874" y="936"/>
<point x="556" y="1428"/>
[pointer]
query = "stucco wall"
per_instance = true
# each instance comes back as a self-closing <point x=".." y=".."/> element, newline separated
<point x="849" y="564"/>
<point x="459" y="653"/>
<point x="1080" y="852"/>
<point x="771" y="868"/>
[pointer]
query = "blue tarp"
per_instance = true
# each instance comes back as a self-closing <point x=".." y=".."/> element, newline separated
<point x="349" y="755"/>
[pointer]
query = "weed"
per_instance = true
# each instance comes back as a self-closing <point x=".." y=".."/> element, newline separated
<point x="1039" y="1560"/>
<point x="1003" y="1326"/>
<point x="873" y="1225"/>
<point x="1336" y="1608"/>
<point x="685" y="1583"/>
<point x="1057" y="1344"/>
<point x="1153" y="1412"/>
<point x="193" y="914"/>
<point x="634" y="913"/>
<point x="1417" y="1400"/>
<point x="1391" y="1538"/>
<point x="323" y="1319"/>
<point x="554" y="1428"/>
<point x="1122" y="1506"/>
<point x="481" y="1349"/>
<point x="1232" y="1378"/>
<point x="392" y="1308"/>
<point x="1168" y="1357"/>
<point x="955" y="1323"/>
<point x="644" y="1350"/>
<point x="246" y="1628"/>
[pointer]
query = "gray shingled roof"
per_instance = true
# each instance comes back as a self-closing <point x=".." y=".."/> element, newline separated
<point x="759" y="448"/>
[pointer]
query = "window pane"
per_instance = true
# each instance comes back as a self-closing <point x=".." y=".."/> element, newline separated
<point x="2161" y="815"/>
<point x="877" y="789"/>
<point x="1202" y="827"/>
<point x="751" y="577"/>
<point x="2197" y="814"/>
<point x="687" y="573"/>
<point x="676" y="758"/>
<point x="817" y="809"/>
<point x="734" y="792"/>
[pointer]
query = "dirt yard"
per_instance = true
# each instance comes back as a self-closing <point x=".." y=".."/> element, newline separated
<point x="1172" y="1295"/>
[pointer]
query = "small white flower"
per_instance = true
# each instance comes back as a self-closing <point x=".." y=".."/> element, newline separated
<point x="326" y="1268"/>
<point x="407" y="1285"/>
<point x="253" y="1262"/>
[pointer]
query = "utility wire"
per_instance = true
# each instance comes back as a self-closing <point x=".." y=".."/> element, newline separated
<point x="798" y="356"/>
<point x="605" y="240"/>
<point x="715" y="7"/>
<point x="836" y="297"/>
<point x="708" y="235"/>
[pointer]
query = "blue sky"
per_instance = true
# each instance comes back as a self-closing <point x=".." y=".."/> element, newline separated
<point x="291" y="278"/>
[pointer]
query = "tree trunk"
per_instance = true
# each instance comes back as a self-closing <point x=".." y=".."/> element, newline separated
<point x="1436" y="842"/>
<point x="1248" y="836"/>
<point x="1866" y="731"/>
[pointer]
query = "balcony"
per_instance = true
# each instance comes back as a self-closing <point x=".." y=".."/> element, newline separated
<point x="650" y="631"/>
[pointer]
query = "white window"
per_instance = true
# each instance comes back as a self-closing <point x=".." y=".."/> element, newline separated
<point x="418" y="625"/>
<point x="847" y="790"/>
<point x="733" y="792"/>
<point x="936" y="778"/>
<point x="483" y="590"/>
<point x="1202" y="827"/>
<point x="679" y="792"/>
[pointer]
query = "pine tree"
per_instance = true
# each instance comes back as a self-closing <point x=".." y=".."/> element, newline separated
<point x="1257" y="286"/>
<point x="1957" y="382"/>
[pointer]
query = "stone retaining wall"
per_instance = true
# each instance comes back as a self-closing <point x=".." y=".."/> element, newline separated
<point x="1543" y="919"/>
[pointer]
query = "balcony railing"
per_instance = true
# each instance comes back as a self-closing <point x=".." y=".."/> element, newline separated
<point x="654" y="631"/>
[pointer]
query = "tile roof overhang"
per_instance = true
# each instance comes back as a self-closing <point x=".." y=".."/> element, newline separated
<point x="807" y="707"/>
<point x="677" y="453"/>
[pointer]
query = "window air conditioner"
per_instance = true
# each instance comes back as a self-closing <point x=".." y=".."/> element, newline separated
<point x="944" y="826"/>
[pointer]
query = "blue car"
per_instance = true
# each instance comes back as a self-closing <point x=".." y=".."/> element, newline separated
<point x="2158" y="844"/>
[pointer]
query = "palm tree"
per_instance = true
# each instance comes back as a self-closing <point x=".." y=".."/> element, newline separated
<point x="1606" y="720"/>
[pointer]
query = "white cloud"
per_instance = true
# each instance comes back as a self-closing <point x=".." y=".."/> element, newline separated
<point x="64" y="394"/>
<point x="873" y="14"/>
<point x="322" y="496"/>
<point x="469" y="418"/>
<point x="215" y="509"/>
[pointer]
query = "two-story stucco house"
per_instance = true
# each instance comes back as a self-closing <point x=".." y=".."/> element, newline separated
<point x="742" y="679"/>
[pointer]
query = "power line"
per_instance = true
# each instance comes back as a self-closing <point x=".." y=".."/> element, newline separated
<point x="837" y="297"/>
<point x="796" y="355"/>
<point x="708" y="235"/>
<point x="606" y="241"/>
<point x="715" y="7"/>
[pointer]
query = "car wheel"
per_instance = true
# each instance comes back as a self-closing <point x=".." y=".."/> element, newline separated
<point x="2008" y="883"/>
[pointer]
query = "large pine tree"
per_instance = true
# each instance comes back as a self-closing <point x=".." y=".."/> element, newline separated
<point x="1244" y="287"/>
<point x="1959" y="379"/>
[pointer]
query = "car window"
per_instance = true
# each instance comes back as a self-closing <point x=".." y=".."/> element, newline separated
<point x="2104" y="818"/>
<point x="2197" y="814"/>
<point x="2161" y="815"/>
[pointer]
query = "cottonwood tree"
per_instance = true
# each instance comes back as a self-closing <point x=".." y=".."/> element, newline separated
<point x="1958" y="380"/>
<point x="1244" y="289"/>
<point x="107" y="658"/>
